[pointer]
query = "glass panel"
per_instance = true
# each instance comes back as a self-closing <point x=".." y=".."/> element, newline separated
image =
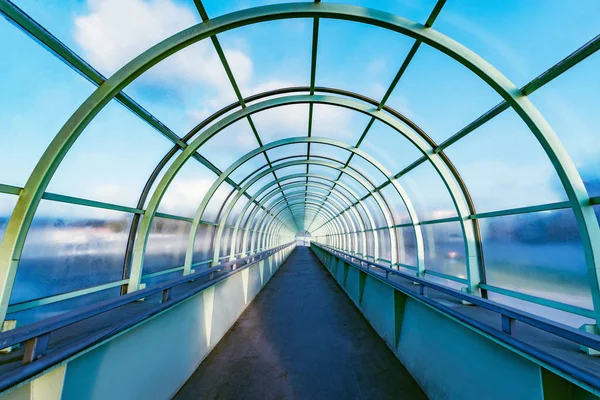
<point x="112" y="160"/>
<point x="370" y="55"/>
<point x="376" y="211"/>
<point x="286" y="151"/>
<point x="407" y="246"/>
<point x="225" y="248"/>
<point x="282" y="122"/>
<point x="504" y="166"/>
<point x="103" y="32"/>
<point x="275" y="54"/>
<point x="395" y="202"/>
<point x="70" y="247"/>
<point x="7" y="204"/>
<point x="291" y="170"/>
<point x="389" y="147"/>
<point x="166" y="246"/>
<point x="570" y="104"/>
<point x="445" y="249"/>
<point x="338" y="123"/>
<point x="539" y="254"/>
<point x="258" y="162"/>
<point x="324" y="150"/>
<point x="229" y="145"/>
<point x="217" y="202"/>
<point x="203" y="246"/>
<point x="237" y="209"/>
<point x="368" y="170"/>
<point x="259" y="184"/>
<point x="28" y="123"/>
<point x="187" y="189"/>
<point x="427" y="192"/>
<point x="441" y="95"/>
<point x="358" y="189"/>
<point x="322" y="170"/>
<point x="385" y="251"/>
<point x="495" y="30"/>
<point x="187" y="87"/>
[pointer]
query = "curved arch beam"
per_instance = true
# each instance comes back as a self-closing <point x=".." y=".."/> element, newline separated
<point x="359" y="217"/>
<point x="254" y="179"/>
<point x="338" y="195"/>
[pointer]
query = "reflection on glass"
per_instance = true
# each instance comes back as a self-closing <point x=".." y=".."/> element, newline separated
<point x="70" y="247"/>
<point x="427" y="192"/>
<point x="537" y="253"/>
<point x="203" y="245"/>
<point x="166" y="244"/>
<point x="445" y="249"/>
<point x="504" y="166"/>
<point x="407" y="247"/>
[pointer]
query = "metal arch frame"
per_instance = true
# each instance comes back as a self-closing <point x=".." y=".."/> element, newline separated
<point x="315" y="185"/>
<point x="333" y="228"/>
<point x="288" y="141"/>
<point x="472" y="266"/>
<point x="262" y="222"/>
<point x="356" y="175"/>
<point x="338" y="207"/>
<point x="360" y="220"/>
<point x="20" y="220"/>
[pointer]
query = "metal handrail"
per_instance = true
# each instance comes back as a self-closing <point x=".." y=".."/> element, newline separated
<point x="555" y="328"/>
<point x="508" y="315"/>
<point x="36" y="336"/>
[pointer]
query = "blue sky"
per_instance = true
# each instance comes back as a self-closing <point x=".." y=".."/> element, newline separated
<point x="501" y="162"/>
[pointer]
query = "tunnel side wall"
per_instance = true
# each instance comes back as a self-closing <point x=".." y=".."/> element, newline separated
<point x="155" y="358"/>
<point x="447" y="359"/>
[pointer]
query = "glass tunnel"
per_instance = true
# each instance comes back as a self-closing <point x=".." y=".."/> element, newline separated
<point x="143" y="140"/>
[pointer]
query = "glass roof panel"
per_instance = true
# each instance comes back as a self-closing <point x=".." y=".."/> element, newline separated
<point x="250" y="167"/>
<point x="389" y="147"/>
<point x="229" y="145"/>
<point x="570" y="104"/>
<point x="282" y="122"/>
<point x="395" y="202"/>
<point x="217" y="202"/>
<point x="102" y="32"/>
<point x="368" y="170"/>
<point x="324" y="150"/>
<point x="427" y="192"/>
<point x="38" y="94"/>
<point x="338" y="123"/>
<point x="287" y="151"/>
<point x="504" y="166"/>
<point x="185" y="88"/>
<point x="269" y="55"/>
<point x="186" y="191"/>
<point x="440" y="95"/>
<point x="371" y="56"/>
<point x="496" y="30"/>
<point x="324" y="171"/>
<point x="112" y="159"/>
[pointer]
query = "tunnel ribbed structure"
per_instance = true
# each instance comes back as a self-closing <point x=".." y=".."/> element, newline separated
<point x="346" y="191"/>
